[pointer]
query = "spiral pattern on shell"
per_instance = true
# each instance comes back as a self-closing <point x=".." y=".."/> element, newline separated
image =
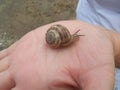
<point x="58" y="35"/>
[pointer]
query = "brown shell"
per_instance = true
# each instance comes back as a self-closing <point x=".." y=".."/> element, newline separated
<point x="58" y="35"/>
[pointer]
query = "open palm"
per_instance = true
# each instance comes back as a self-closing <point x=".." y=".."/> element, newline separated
<point x="87" y="64"/>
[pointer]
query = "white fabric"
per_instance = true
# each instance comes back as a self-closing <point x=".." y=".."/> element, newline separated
<point x="113" y="5"/>
<point x="92" y="12"/>
<point x="105" y="13"/>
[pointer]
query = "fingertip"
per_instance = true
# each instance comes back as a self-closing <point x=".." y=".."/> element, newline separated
<point x="6" y="81"/>
<point x="4" y="64"/>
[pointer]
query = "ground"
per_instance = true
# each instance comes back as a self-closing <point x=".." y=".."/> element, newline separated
<point x="17" y="17"/>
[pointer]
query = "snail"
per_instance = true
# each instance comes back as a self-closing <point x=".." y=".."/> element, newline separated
<point x="59" y="36"/>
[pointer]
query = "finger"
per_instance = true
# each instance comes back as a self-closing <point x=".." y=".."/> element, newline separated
<point x="3" y="54"/>
<point x="6" y="82"/>
<point x="4" y="64"/>
<point x="7" y="51"/>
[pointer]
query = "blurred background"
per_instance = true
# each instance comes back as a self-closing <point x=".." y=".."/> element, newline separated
<point x="17" y="17"/>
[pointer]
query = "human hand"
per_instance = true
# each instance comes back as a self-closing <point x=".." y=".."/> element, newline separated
<point x="87" y="64"/>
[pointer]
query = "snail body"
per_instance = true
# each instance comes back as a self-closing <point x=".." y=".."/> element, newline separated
<point x="58" y="35"/>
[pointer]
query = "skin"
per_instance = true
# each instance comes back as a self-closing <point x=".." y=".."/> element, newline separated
<point x="87" y="64"/>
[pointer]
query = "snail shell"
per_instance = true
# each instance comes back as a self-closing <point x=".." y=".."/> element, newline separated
<point x="58" y="35"/>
